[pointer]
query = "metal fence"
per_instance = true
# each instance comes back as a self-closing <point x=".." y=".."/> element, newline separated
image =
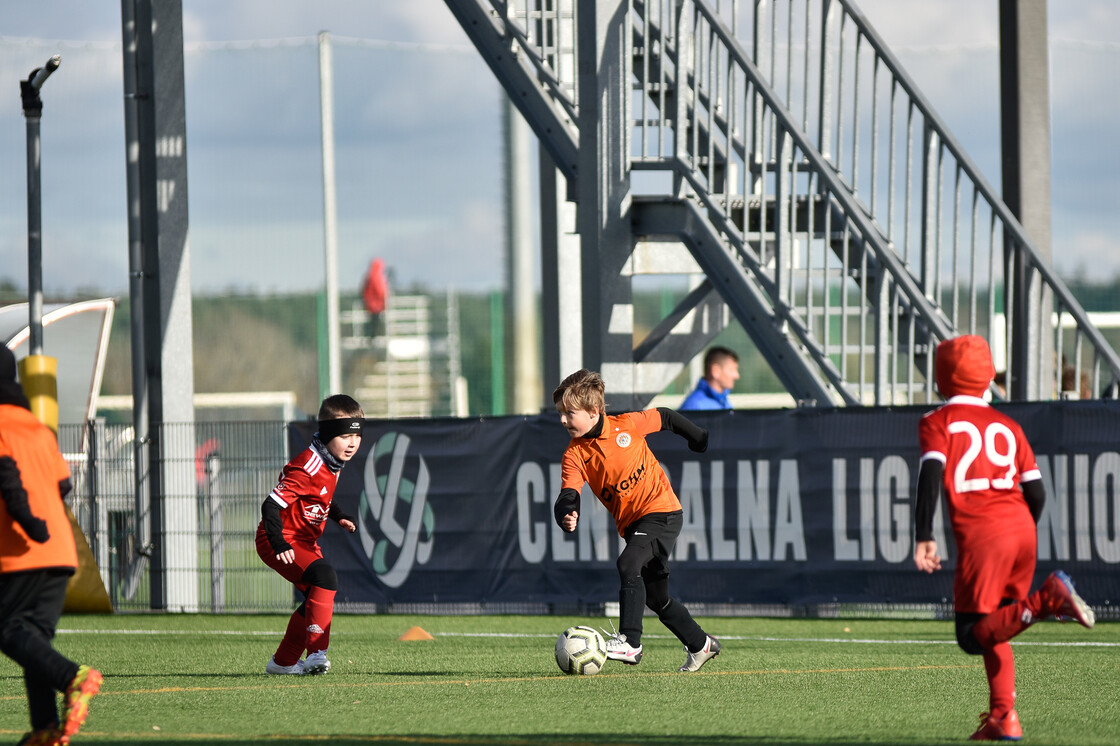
<point x="231" y="467"/>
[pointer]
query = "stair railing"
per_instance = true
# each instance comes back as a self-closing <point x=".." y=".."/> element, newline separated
<point x="889" y="147"/>
<point x="828" y="172"/>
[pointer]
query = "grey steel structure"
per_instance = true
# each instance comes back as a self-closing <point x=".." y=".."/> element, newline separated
<point x="827" y="204"/>
<point x="160" y="295"/>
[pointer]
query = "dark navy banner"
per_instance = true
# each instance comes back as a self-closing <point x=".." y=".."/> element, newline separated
<point x="795" y="506"/>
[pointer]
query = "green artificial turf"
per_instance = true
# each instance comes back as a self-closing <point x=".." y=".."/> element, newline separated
<point x="493" y="680"/>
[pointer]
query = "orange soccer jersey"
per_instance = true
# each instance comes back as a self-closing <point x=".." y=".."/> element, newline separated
<point x="620" y="468"/>
<point x="34" y="449"/>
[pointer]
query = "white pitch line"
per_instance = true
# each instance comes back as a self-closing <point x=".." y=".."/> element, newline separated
<point x="746" y="638"/>
<point x="164" y="632"/>
<point x="750" y="638"/>
<point x="922" y="642"/>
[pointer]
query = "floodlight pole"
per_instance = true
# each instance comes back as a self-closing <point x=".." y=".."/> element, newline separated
<point x="330" y="218"/>
<point x="146" y="479"/>
<point x="32" y="111"/>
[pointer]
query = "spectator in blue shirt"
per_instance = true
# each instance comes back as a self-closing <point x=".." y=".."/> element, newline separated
<point x="721" y="371"/>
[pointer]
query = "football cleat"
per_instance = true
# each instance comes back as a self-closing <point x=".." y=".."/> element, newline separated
<point x="47" y="737"/>
<point x="1006" y="728"/>
<point x="695" y="660"/>
<point x="86" y="683"/>
<point x="1064" y="601"/>
<point x="316" y="663"/>
<point x="618" y="649"/>
<point x="275" y="668"/>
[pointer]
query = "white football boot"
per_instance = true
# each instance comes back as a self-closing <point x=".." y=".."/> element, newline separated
<point x="618" y="649"/>
<point x="273" y="667"/>
<point x="700" y="657"/>
<point x="316" y="663"/>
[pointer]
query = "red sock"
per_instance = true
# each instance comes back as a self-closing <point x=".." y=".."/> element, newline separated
<point x="999" y="665"/>
<point x="320" y="608"/>
<point x="295" y="636"/>
<point x="1006" y="622"/>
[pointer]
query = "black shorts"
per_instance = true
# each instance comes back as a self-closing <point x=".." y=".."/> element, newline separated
<point x="35" y="597"/>
<point x="654" y="535"/>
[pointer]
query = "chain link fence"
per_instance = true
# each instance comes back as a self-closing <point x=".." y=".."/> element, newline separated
<point x="231" y="465"/>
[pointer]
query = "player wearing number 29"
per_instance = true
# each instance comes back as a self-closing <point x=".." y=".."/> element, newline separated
<point x="994" y="492"/>
<point x="610" y="454"/>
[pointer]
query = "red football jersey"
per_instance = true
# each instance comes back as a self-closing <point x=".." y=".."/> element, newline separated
<point x="986" y="456"/>
<point x="621" y="469"/>
<point x="304" y="494"/>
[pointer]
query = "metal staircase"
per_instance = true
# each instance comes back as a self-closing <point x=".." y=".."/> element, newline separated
<point x="826" y="203"/>
<point x="412" y="354"/>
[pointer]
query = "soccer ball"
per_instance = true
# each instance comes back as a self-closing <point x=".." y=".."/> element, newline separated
<point x="581" y="650"/>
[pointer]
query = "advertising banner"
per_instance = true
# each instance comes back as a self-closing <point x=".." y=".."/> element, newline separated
<point x="806" y="506"/>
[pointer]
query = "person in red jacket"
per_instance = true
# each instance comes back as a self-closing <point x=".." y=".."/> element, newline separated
<point x="37" y="558"/>
<point x="609" y="453"/>
<point x="982" y="461"/>
<point x="293" y="517"/>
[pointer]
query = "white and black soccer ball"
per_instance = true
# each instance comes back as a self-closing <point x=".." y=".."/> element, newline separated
<point x="581" y="650"/>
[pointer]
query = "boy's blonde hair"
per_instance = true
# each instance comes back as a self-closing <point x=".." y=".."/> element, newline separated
<point x="338" y="406"/>
<point x="584" y="390"/>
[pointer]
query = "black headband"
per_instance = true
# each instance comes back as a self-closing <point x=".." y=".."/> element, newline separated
<point x="329" y="429"/>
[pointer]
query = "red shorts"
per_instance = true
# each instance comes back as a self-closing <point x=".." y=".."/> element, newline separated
<point x="293" y="573"/>
<point x="994" y="566"/>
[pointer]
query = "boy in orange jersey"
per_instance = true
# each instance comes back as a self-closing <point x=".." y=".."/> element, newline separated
<point x="37" y="558"/>
<point x="983" y="462"/>
<point x="610" y="454"/>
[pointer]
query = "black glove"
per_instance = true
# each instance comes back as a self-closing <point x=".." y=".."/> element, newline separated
<point x="700" y="443"/>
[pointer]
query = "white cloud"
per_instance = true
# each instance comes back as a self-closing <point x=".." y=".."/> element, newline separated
<point x="943" y="24"/>
<point x="1084" y="251"/>
<point x="1084" y="20"/>
<point x="414" y="20"/>
<point x="417" y="135"/>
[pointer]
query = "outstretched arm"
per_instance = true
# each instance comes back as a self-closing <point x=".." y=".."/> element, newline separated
<point x="15" y="499"/>
<point x="676" y="422"/>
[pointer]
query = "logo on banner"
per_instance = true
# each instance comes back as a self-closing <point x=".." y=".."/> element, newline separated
<point x="395" y="521"/>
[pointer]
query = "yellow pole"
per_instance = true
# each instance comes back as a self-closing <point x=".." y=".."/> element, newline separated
<point x="39" y="375"/>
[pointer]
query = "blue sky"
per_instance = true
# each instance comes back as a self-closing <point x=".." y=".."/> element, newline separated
<point x="418" y="137"/>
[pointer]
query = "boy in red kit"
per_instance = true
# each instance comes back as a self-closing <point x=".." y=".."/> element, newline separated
<point x="987" y="468"/>
<point x="293" y="517"/>
<point x="610" y="454"/>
